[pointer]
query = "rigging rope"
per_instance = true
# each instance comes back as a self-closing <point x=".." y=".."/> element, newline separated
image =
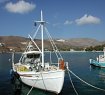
<point x="36" y="32"/>
<point x="34" y="43"/>
<point x="53" y="42"/>
<point x="85" y="81"/>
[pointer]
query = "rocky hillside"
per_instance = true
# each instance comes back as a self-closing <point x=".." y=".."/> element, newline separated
<point x="83" y="42"/>
<point x="20" y="42"/>
<point x="12" y="41"/>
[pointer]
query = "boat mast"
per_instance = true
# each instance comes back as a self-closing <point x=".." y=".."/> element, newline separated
<point x="42" y="24"/>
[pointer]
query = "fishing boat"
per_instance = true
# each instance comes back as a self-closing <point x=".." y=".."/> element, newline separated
<point x="100" y="60"/>
<point x="32" y="68"/>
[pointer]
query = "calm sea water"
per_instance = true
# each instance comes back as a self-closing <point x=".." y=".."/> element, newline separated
<point x="78" y="63"/>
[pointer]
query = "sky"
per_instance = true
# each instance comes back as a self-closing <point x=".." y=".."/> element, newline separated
<point x="66" y="18"/>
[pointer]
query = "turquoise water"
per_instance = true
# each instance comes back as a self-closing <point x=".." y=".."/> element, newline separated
<point x="78" y="63"/>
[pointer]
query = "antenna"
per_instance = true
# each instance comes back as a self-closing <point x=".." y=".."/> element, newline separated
<point x="41" y="15"/>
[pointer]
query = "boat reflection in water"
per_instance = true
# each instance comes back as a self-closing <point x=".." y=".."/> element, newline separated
<point x="99" y="72"/>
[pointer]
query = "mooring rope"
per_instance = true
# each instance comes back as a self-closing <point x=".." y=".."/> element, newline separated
<point x="32" y="86"/>
<point x="30" y="90"/>
<point x="35" y="83"/>
<point x="43" y="82"/>
<point x="72" y="83"/>
<point x="85" y="81"/>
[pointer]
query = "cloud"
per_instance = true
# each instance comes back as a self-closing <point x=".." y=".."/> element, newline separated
<point x="67" y="22"/>
<point x="87" y="19"/>
<point x="20" y="7"/>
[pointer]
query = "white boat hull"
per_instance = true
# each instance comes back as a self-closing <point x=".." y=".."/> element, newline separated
<point x="32" y="68"/>
<point x="50" y="81"/>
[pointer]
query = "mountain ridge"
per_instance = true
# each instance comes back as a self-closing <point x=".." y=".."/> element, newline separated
<point x="18" y="41"/>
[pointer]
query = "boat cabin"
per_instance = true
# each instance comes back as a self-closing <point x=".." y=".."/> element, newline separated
<point x="101" y="58"/>
<point x="31" y="57"/>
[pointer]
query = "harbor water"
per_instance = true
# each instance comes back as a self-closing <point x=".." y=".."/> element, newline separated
<point x="78" y="63"/>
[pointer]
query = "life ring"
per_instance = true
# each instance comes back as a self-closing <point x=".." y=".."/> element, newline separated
<point x="61" y="64"/>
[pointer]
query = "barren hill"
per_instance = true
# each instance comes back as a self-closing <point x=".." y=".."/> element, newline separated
<point x="83" y="42"/>
<point x="17" y="41"/>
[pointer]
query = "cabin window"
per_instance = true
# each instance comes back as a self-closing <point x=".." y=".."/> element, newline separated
<point x="33" y="55"/>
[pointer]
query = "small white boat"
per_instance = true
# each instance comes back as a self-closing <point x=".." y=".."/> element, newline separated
<point x="100" y="60"/>
<point x="32" y="68"/>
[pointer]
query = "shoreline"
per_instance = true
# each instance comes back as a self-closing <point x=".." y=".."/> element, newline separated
<point x="52" y="51"/>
